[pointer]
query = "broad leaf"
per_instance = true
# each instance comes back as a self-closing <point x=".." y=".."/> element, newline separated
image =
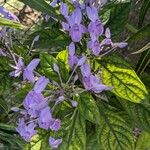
<point x="63" y="57"/>
<point x="143" y="142"/>
<point x="47" y="63"/>
<point x="88" y="108"/>
<point x="10" y="23"/>
<point x="119" y="75"/>
<point x="92" y="142"/>
<point x="139" y="113"/>
<point x="74" y="133"/>
<point x="113" y="132"/>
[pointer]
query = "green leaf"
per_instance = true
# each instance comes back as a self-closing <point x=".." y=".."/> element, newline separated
<point x="63" y="57"/>
<point x="41" y="5"/>
<point x="50" y="38"/>
<point x="118" y="18"/>
<point x="143" y="142"/>
<point x="10" y="23"/>
<point x="88" y="108"/>
<point x="113" y="132"/>
<point x="92" y="142"/>
<point x="142" y="33"/>
<point x="126" y="84"/>
<point x="47" y="62"/>
<point x="75" y="133"/>
<point x="138" y="113"/>
<point x="143" y="10"/>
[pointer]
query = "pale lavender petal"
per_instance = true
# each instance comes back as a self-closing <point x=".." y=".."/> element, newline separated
<point x="81" y="61"/>
<point x="85" y="70"/>
<point x="47" y="18"/>
<point x="75" y="33"/>
<point x="45" y="118"/>
<point x="74" y="103"/>
<point x="54" y="143"/>
<point x="106" y="42"/>
<point x="65" y="26"/>
<point x="41" y="84"/>
<point x="92" y="13"/>
<point x="77" y="16"/>
<point x="54" y="3"/>
<point x="64" y="9"/>
<point x="33" y="64"/>
<point x="15" y="109"/>
<point x="20" y="63"/>
<point x="122" y="44"/>
<point x="27" y="74"/>
<point x="107" y="33"/>
<point x="83" y="29"/>
<point x="71" y="49"/>
<point x="55" y="125"/>
<point x="55" y="67"/>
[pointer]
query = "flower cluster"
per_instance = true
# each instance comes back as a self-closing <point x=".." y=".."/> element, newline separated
<point x="83" y="20"/>
<point x="76" y="27"/>
<point x="37" y="112"/>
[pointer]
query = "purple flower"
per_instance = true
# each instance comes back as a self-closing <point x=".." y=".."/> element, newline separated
<point x="55" y="124"/>
<point x="64" y="9"/>
<point x="90" y="81"/>
<point x="26" y="131"/>
<point x="40" y="84"/>
<point x="95" y="27"/>
<point x="121" y="44"/>
<point x="107" y="40"/>
<point x="72" y="58"/>
<point x="54" y="143"/>
<point x="8" y="14"/>
<point x="94" y="45"/>
<point x="54" y="3"/>
<point x="34" y="103"/>
<point x="45" y="118"/>
<point x="85" y="70"/>
<point x="76" y="28"/>
<point x="18" y="68"/>
<point x="28" y="71"/>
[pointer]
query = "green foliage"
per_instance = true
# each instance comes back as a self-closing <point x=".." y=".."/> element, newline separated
<point x="74" y="133"/>
<point x="10" y="23"/>
<point x="118" y="74"/>
<point x="143" y="142"/>
<point x="42" y="6"/>
<point x="8" y="138"/>
<point x="47" y="62"/>
<point x="118" y="18"/>
<point x="88" y="108"/>
<point x="142" y="33"/>
<point x="113" y="132"/>
<point x="143" y="10"/>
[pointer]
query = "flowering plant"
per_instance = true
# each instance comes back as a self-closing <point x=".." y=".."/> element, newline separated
<point x="73" y="88"/>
